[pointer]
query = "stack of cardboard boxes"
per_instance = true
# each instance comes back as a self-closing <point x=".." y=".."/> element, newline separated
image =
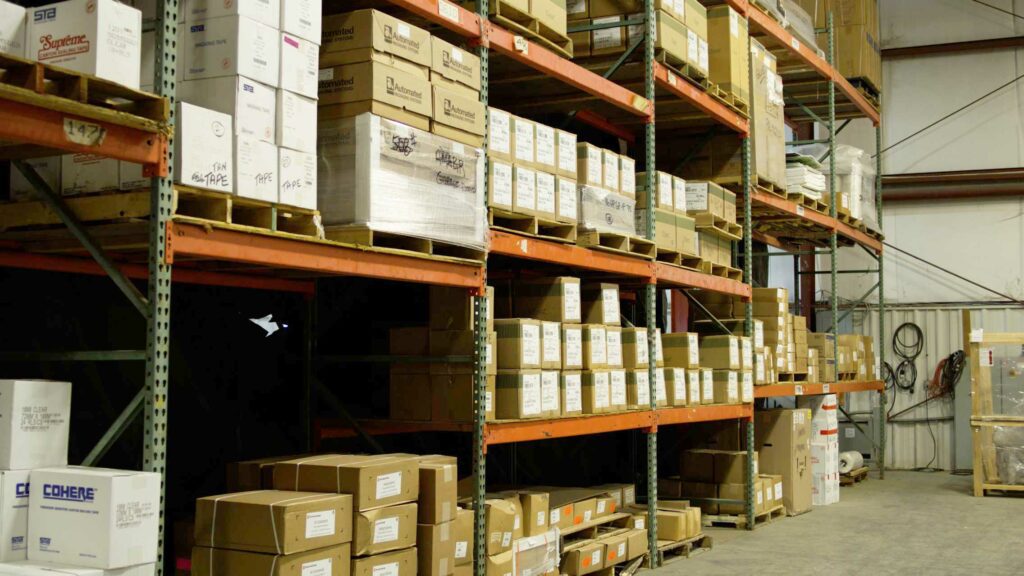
<point x="762" y="357"/>
<point x="674" y="230"/>
<point x="731" y="359"/>
<point x="437" y="530"/>
<point x="709" y="200"/>
<point x="532" y="168"/>
<point x="729" y="63"/>
<point x="67" y="519"/>
<point x="823" y="346"/>
<point x="783" y="444"/>
<point x="677" y="519"/>
<point x="549" y="14"/>
<point x="606" y="184"/>
<point x="706" y="474"/>
<point x="686" y="383"/>
<point x="824" y="442"/>
<point x="857" y="45"/>
<point x="681" y="30"/>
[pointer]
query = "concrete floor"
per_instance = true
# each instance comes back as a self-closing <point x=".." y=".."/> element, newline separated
<point x="910" y="523"/>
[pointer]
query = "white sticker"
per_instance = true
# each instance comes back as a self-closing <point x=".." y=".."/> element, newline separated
<point x="587" y="515"/>
<point x="517" y="523"/>
<point x="760" y="498"/>
<point x="692" y="48"/>
<point x="610" y="305"/>
<point x="573" y="347"/>
<point x="734" y="352"/>
<point x="694" y="384"/>
<point x="795" y="44"/>
<point x="530" y="345"/>
<point x="487" y="401"/>
<point x="614" y="340"/>
<point x="549" y="391"/>
<point x="601" y="389"/>
<point x="447" y="10"/>
<point x="607" y="37"/>
<point x="709" y="385"/>
<point x="798" y="390"/>
<point x="326" y="74"/>
<point x="540" y="518"/>
<point x="389" y="485"/>
<point x="748" y="353"/>
<point x="556" y="516"/>
<point x="851" y="432"/>
<point x="671" y="79"/>
<point x="799" y="210"/>
<point x="501" y="184"/>
<point x="571" y="302"/>
<point x="84" y="133"/>
<point x="385" y="530"/>
<point x="642" y="356"/>
<point x="500" y="132"/>
<point x="520" y="44"/>
<point x="618" y="387"/>
<point x="987" y="357"/>
<point x="693" y="348"/>
<point x="638" y="523"/>
<point x="977" y="335"/>
<point x="703" y="65"/>
<point x="506" y="539"/>
<point x="457" y="55"/>
<point x="573" y="394"/>
<point x="524" y="141"/>
<point x="461" y="548"/>
<point x="643" y="388"/>
<point x="826" y="388"/>
<point x="389" y="569"/>
<point x="598" y="346"/>
<point x="778" y="490"/>
<point x="748" y="388"/>
<point x="320" y="524"/>
<point x="660" y="392"/>
<point x="531" y="395"/>
<point x="732" y="388"/>
<point x="601" y="505"/>
<point x="734" y="23"/>
<point x="545" y="145"/>
<point x="487" y="354"/>
<point x="552" y="342"/>
<point x="404" y="30"/>
<point x="611" y="180"/>
<point x="317" y="568"/>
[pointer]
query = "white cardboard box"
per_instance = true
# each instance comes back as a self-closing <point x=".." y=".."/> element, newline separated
<point x="34" y="416"/>
<point x="300" y="65"/>
<point x="263" y="11"/>
<point x="47" y="167"/>
<point x="302" y="18"/>
<point x="26" y="568"/>
<point x="130" y="176"/>
<point x="297" y="177"/>
<point x="14" y="515"/>
<point x="203" y="148"/>
<point x="252" y="105"/>
<point x="232" y="46"/>
<point x="147" y="63"/>
<point x="98" y="37"/>
<point x="87" y="173"/>
<point x="255" y="169"/>
<point x="296" y="122"/>
<point x="12" y="29"/>
<point x="93" y="517"/>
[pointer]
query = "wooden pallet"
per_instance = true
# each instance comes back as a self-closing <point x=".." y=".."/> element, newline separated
<point x="707" y="222"/>
<point x="522" y="23"/>
<point x="720" y="270"/>
<point x="683" y="69"/>
<point x="858" y="475"/>
<point x="364" y="236"/>
<point x="532" y="225"/>
<point x="669" y="552"/>
<point x="868" y="89"/>
<point x="680" y="259"/>
<point x="847" y="377"/>
<point x="739" y="105"/>
<point x="740" y="520"/>
<point x="622" y="244"/>
<point x="792" y="377"/>
<point x="188" y="202"/>
<point x="807" y="202"/>
<point x="62" y="84"/>
<point x="735" y="184"/>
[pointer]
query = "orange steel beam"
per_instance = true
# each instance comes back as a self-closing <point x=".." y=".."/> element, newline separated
<point x="516" y="246"/>
<point x="856" y="98"/>
<point x="799" y="389"/>
<point x="26" y="124"/>
<point x="528" y="430"/>
<point x="701" y="99"/>
<point x="667" y="416"/>
<point x="445" y="13"/>
<point x="602" y="123"/>
<point x="859" y="237"/>
<point x="285" y="253"/>
<point x="669" y="276"/>
<point x="798" y="212"/>
<point x="49" y="263"/>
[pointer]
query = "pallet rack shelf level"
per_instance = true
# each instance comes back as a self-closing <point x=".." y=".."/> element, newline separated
<point x="813" y="224"/>
<point x="669" y="276"/>
<point x="570" y="255"/>
<point x="805" y="389"/>
<point x="700" y="99"/>
<point x="710" y="413"/>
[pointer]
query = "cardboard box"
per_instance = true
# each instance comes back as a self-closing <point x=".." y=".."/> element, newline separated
<point x="638" y="389"/>
<point x="545" y="148"/>
<point x="608" y="41"/>
<point x="550" y="13"/>
<point x="252" y="105"/>
<point x="664" y="228"/>
<point x="452" y="309"/>
<point x="596" y="388"/>
<point x="726" y="387"/>
<point x="675" y="386"/>
<point x="571" y="393"/>
<point x="256" y="169"/>
<point x="519" y="394"/>
<point x="48" y="169"/>
<point x="300" y="64"/>
<point x="398" y="563"/>
<point x="566" y="153"/>
<point x="705" y="197"/>
<point x="610" y="171"/>
<point x="384" y="529"/>
<point x="551" y="345"/>
<point x="329" y="561"/>
<point x="519" y="345"/>
<point x="695" y="387"/>
<point x="250" y="475"/>
<point x="547" y="196"/>
<point x="499" y="525"/>
<point x="783" y="441"/>
<point x="524" y="190"/>
<point x="374" y="481"/>
<point x="438" y="490"/>
<point x="567" y="200"/>
<point x="13" y="27"/>
<point x="614" y="346"/>
<point x="572" y="347"/>
<point x="663" y="191"/>
<point x="268" y="521"/>
<point x="463" y="537"/>
<point x="687" y="241"/>
<point x="232" y="46"/>
<point x="296" y="122"/>
<point x="707" y="383"/>
<point x="352" y="36"/>
<point x="746" y="386"/>
<point x="681" y="349"/>
<point x="302" y="18"/>
<point x="98" y="37"/>
<point x="524" y="146"/>
<point x="351" y="90"/>
<point x="549" y="299"/>
<point x="636" y="544"/>
<point x="617" y="390"/>
<point x="69" y="502"/>
<point x="297" y="173"/>
<point x="34" y="423"/>
<point x="435" y="547"/>
<point x="500" y="190"/>
<point x="582" y="557"/>
<point x="580" y="40"/>
<point x="535" y="507"/>
<point x="203" y="148"/>
<point x="627" y="176"/>
<point x="697" y="466"/>
<point x="500" y="141"/>
<point x="598" y="8"/>
<point x="720" y="352"/>
<point x="405" y="393"/>
<point x="266" y="12"/>
<point x="600" y="304"/>
<point x="635" y="348"/>
<point x="454" y="63"/>
<point x="456" y="116"/>
<point x="87" y="173"/>
<point x="500" y="564"/>
<point x="595" y="347"/>
<point x="589" y="165"/>
<point x="14" y="504"/>
<point x="728" y="57"/>
<point x="550" y="394"/>
<point x="615" y="547"/>
<point x="731" y="466"/>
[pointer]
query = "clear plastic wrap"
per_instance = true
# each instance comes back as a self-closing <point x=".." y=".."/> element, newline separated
<point x="394" y="178"/>
<point x="536" y="555"/>
<point x="855" y="175"/>
<point x="800" y="24"/>
<point x="606" y="211"/>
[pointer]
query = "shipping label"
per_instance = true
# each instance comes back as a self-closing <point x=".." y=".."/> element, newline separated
<point x="389" y="485"/>
<point x="500" y="132"/>
<point x="598" y="346"/>
<point x="601" y="391"/>
<point x="317" y="568"/>
<point x="531" y="403"/>
<point x="660" y="392"/>
<point x="530" y="345"/>
<point x="549" y="391"/>
<point x="389" y="569"/>
<point x="571" y="298"/>
<point x="614" y="341"/>
<point x="552" y="341"/>
<point x="320" y="524"/>
<point x="385" y="530"/>
<point x="573" y="347"/>
<point x="610" y="303"/>
<point x="573" y="393"/>
<point x="617" y="386"/>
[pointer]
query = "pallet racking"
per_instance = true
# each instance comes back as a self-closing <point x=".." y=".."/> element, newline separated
<point x="170" y="245"/>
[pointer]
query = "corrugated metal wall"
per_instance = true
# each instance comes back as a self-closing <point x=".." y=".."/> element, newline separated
<point x="926" y="437"/>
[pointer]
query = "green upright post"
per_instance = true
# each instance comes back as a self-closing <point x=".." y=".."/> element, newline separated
<point x="650" y="289"/>
<point x="158" y="316"/>
<point x="883" y="401"/>
<point x="748" y="309"/>
<point x="480" y="306"/>
<point x="833" y="240"/>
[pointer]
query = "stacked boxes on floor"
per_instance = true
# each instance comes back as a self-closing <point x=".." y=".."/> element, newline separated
<point x="709" y="474"/>
<point x="67" y="519"/>
<point x="246" y="119"/>
<point x="607" y="190"/>
<point x="783" y="444"/>
<point x="674" y="229"/>
<point x="400" y="130"/>
<point x="437" y="532"/>
<point x="532" y="168"/>
<point x="824" y="442"/>
<point x="709" y="201"/>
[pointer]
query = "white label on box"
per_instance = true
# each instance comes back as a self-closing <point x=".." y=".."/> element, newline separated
<point x="576" y="7"/>
<point x="531" y="395"/>
<point x="734" y="23"/>
<point x="798" y="390"/>
<point x="642" y="356"/>
<point x="566" y="152"/>
<point x="611" y="170"/>
<point x="617" y="379"/>
<point x="665" y="190"/>
<point x="526" y="189"/>
<point x="660" y="392"/>
<point x="320" y="524"/>
<point x="540" y="518"/>
<point x="760" y="498"/>
<point x="734" y="351"/>
<point x="758" y="334"/>
<point x="556" y="516"/>
<point x="518" y="522"/>
<point x="709" y="385"/>
<point x="317" y="568"/>
<point x="659" y="351"/>
<point x="389" y="485"/>
<point x="826" y="388"/>
<point x="703" y="61"/>
<point x="462" y="548"/>
<point x="567" y="199"/>
<point x="552" y="341"/>
<point x="595" y="557"/>
<point x="594" y="166"/>
<point x="614" y="340"/>
<point x="601" y="391"/>
<point x="573" y="347"/>
<point x="545" y="145"/>
<point x="385" y="530"/>
<point x="489" y="406"/>
<point x="549" y="391"/>
<point x="748" y="352"/>
<point x="530" y="345"/>
<point x="506" y="539"/>
<point x="487" y="354"/>
<point x="679" y="384"/>
<point x="977" y="335"/>
<point x="601" y="506"/>
<point x="524" y="141"/>
<point x="692" y="47"/>
<point x="608" y="37"/>
<point x="545" y="193"/>
<point x="851" y="432"/>
<point x="501" y="182"/>
<point x="748" y="388"/>
<point x="627" y="175"/>
<point x="679" y="192"/>
<point x="389" y="569"/>
<point x="598" y="346"/>
<point x="697" y="197"/>
<point x="732" y="386"/>
<point x="571" y="301"/>
<point x="448" y="11"/>
<point x="759" y="368"/>
<point x="638" y="523"/>
<point x="300" y="65"/>
<point x="643" y="388"/>
<point x="500" y="132"/>
<point x="573" y="393"/>
<point x="778" y="490"/>
<point x="695" y="387"/>
<point x="610" y="305"/>
<point x="693" y="349"/>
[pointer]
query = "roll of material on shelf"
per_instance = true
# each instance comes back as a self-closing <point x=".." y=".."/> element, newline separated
<point x="850" y="461"/>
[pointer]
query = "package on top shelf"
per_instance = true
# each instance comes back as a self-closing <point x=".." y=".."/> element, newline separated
<point x="599" y="8"/>
<point x="302" y="18"/>
<point x="608" y="41"/>
<point x="580" y="40"/>
<point x="458" y="117"/>
<point x="383" y="85"/>
<point x="545" y="148"/>
<point x="455" y="64"/>
<point x="354" y="36"/>
<point x="551" y="14"/>
<point x="203" y="148"/>
<point x="605" y="211"/>
<point x="13" y="28"/>
<point x="696" y="18"/>
<point x="296" y="122"/>
<point x="729" y="60"/>
<point x="627" y="176"/>
<point x="98" y="37"/>
<point x="266" y="12"/>
<point x="679" y="194"/>
<point x="232" y="46"/>
<point x="300" y="65"/>
<point x="403" y="180"/>
<point x="252" y="105"/>
<point x="705" y="197"/>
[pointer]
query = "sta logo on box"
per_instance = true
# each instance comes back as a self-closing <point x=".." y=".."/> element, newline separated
<point x="44" y="15"/>
<point x="69" y="493"/>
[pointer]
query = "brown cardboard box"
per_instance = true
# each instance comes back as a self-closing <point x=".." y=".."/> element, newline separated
<point x="638" y="389"/>
<point x="636" y="544"/>
<point x="600" y="8"/>
<point x="783" y="442"/>
<point x="519" y="394"/>
<point x="272" y="521"/>
<point x="582" y="557"/>
<point x="727" y="386"/>
<point x="561" y="516"/>
<point x="595" y="347"/>
<point x="518" y="343"/>
<point x="551" y="13"/>
<point x="720" y="352"/>
<point x="589" y="165"/>
<point x="617" y="397"/>
<point x="580" y="40"/>
<point x="608" y="41"/>
<point x="675" y="386"/>
<point x="455" y="63"/>
<point x="566" y="154"/>
<point x="501" y="564"/>
<point x="400" y="563"/>
<point x="411" y="341"/>
<point x="731" y="491"/>
<point x="452" y="397"/>
<point x="604" y="506"/>
<point x="687" y="238"/>
<point x="662" y="192"/>
<point x="458" y="343"/>
<point x="727" y="51"/>
<point x="567" y="199"/>
<point x="238" y="563"/>
<point x="671" y="36"/>
<point x="635" y="348"/>
<point x="374" y="86"/>
<point x="553" y="299"/>
<point x="499" y="526"/>
<point x="256" y="474"/>
<point x="524" y="190"/>
<point x="536" y="507"/>
<point x="373" y="481"/>
<point x="462" y="536"/>
<point x="613" y="350"/>
<point x="464" y="570"/>
<point x="697" y="465"/>
<point x="435" y="546"/>
<point x="600" y="304"/>
<point x="551" y="345"/>
<point x="438" y="492"/>
<point x="664" y="228"/>
<point x="499" y="185"/>
<point x="671" y="525"/>
<point x="524" y="146"/>
<point x="615" y="547"/>
<point x="572" y="347"/>
<point x="681" y="349"/>
<point x="705" y="198"/>
<point x="571" y="393"/>
<point x="350" y="37"/>
<point x="731" y="466"/>
<point x="452" y="309"/>
<point x="696" y="17"/>
<point x="384" y="529"/>
<point x="670" y="487"/>
<point x="623" y="494"/>
<point x="550" y="394"/>
<point x="458" y="117"/>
